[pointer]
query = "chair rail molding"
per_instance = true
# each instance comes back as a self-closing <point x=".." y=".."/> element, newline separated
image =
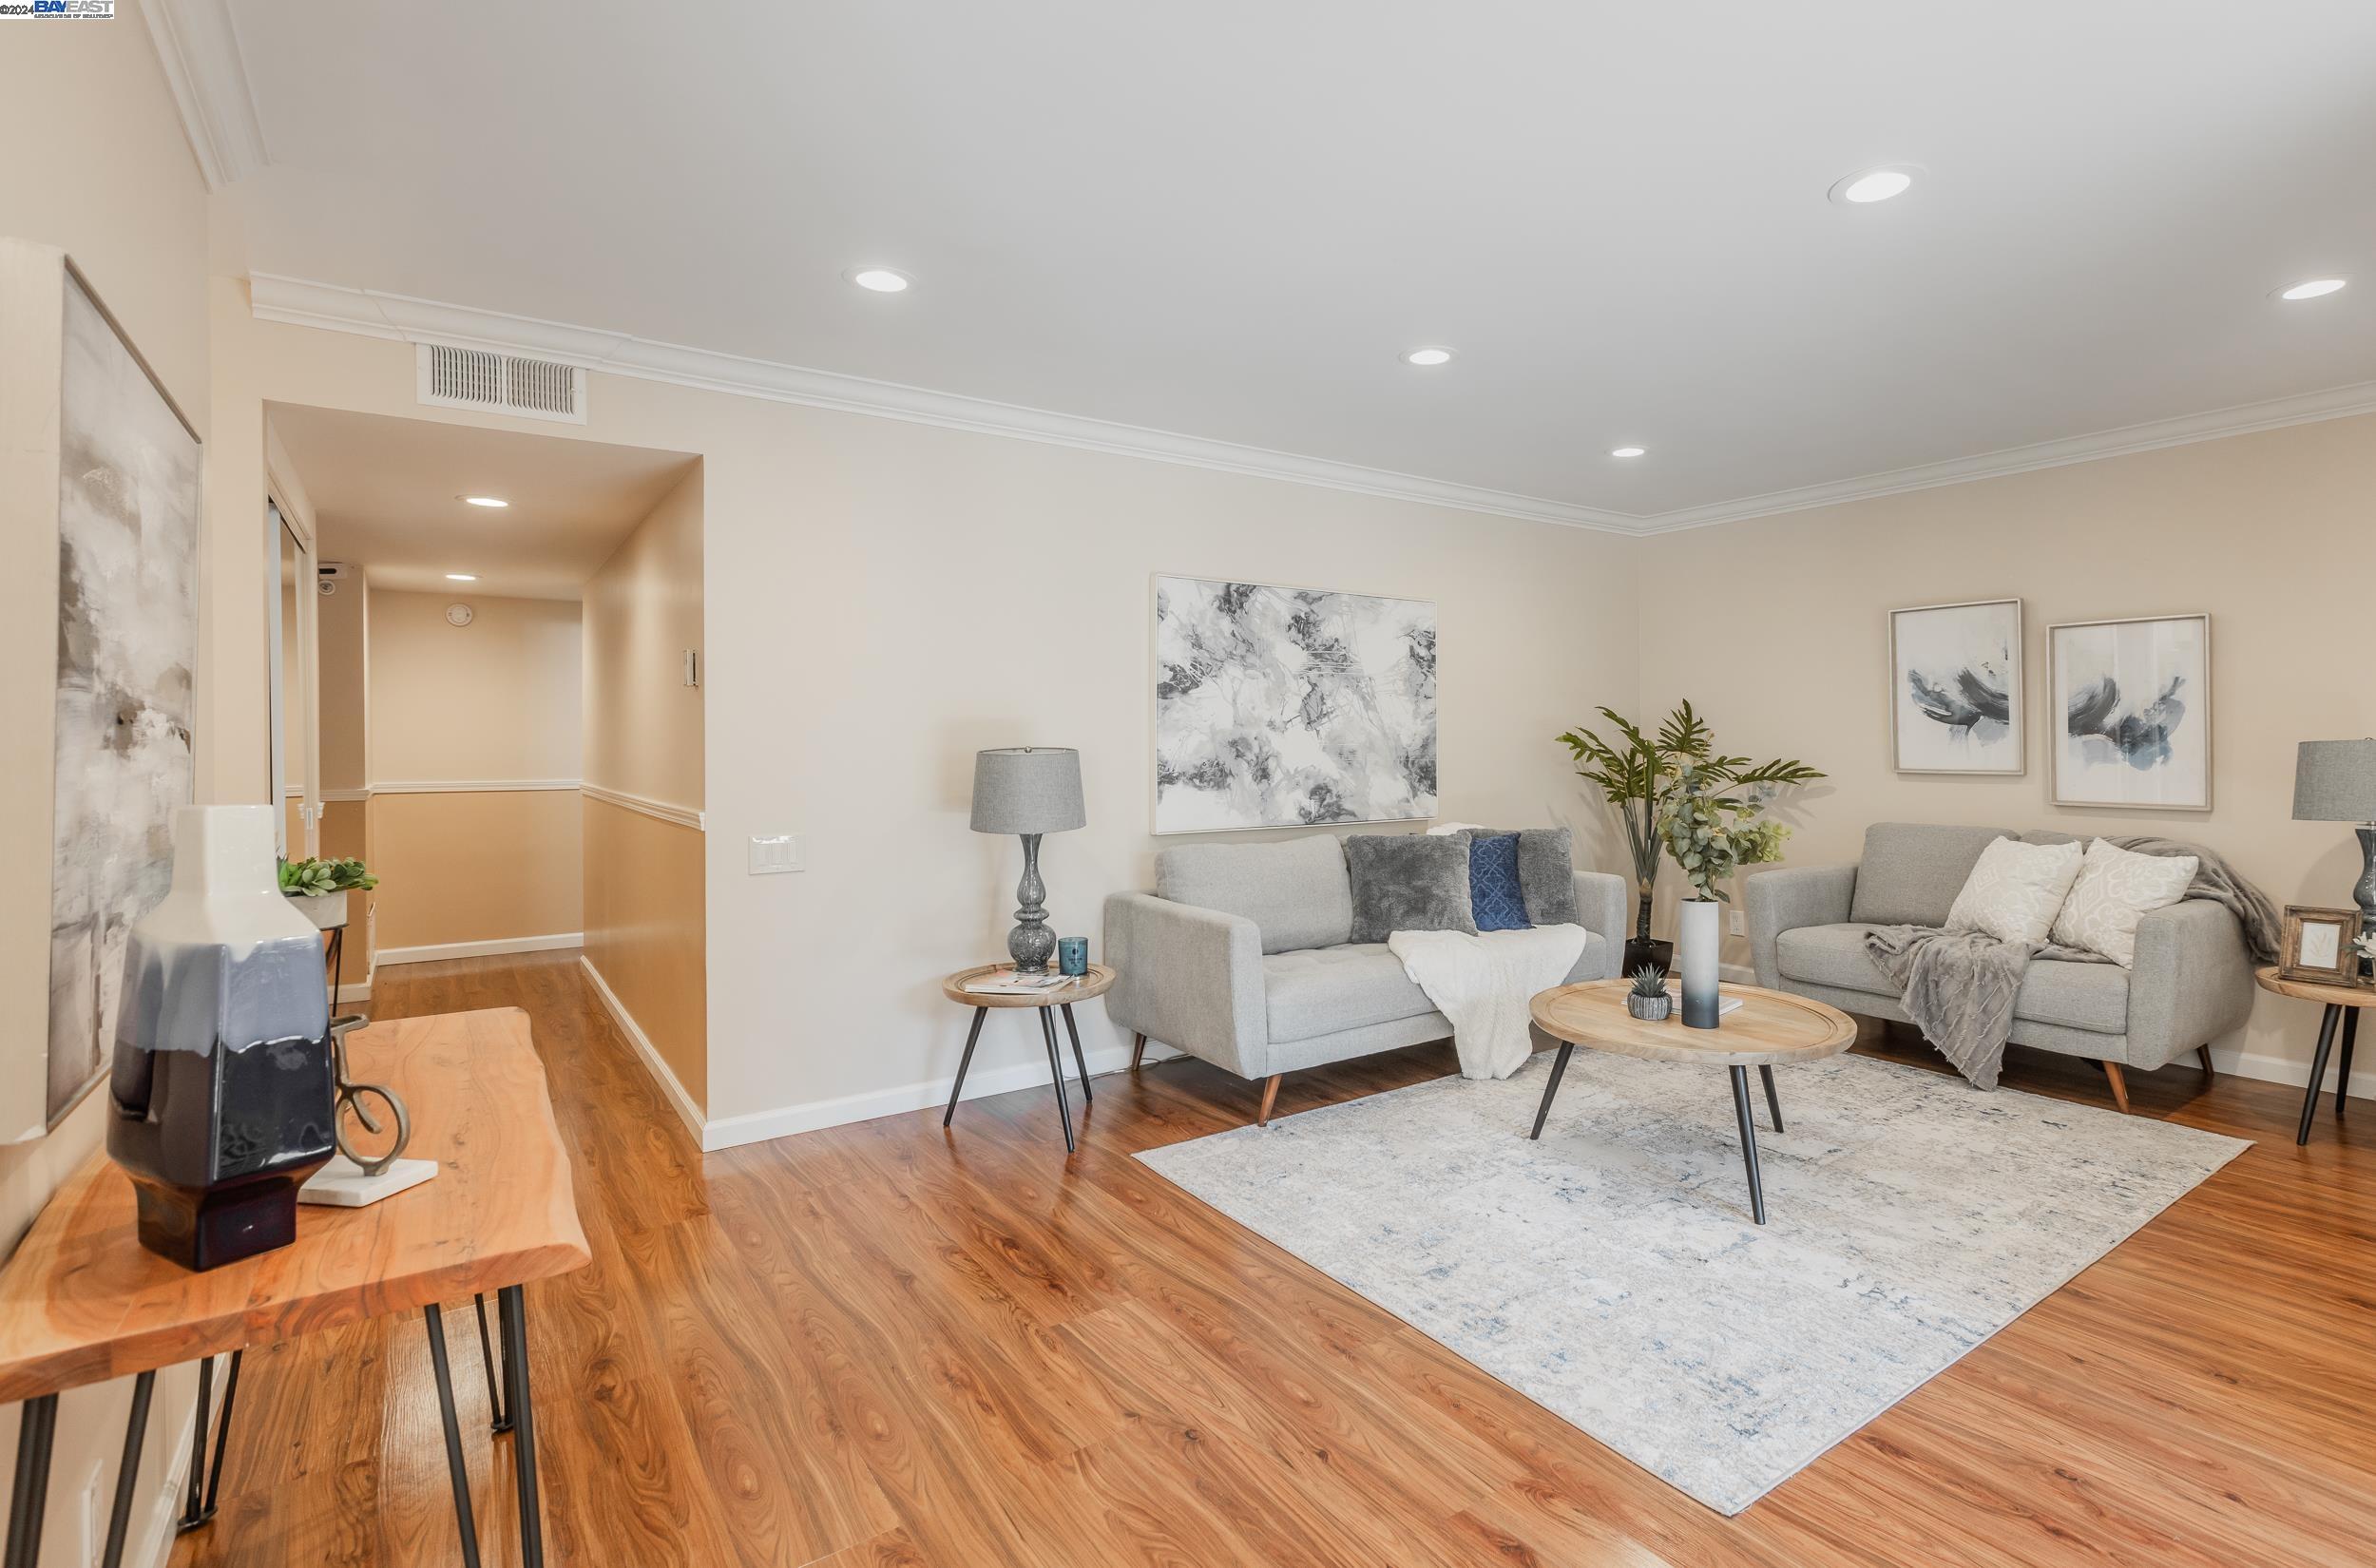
<point x="467" y="786"/>
<point x="684" y="816"/>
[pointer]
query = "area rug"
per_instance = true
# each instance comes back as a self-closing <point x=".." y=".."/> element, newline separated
<point x="1611" y="1273"/>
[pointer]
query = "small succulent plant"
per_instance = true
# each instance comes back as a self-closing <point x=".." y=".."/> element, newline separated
<point x="1650" y="980"/>
<point x="318" y="878"/>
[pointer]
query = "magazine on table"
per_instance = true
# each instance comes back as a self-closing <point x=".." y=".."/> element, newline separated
<point x="1004" y="980"/>
<point x="1724" y="1004"/>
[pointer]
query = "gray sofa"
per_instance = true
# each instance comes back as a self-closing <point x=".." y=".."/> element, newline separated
<point x="1243" y="955"/>
<point x="2192" y="984"/>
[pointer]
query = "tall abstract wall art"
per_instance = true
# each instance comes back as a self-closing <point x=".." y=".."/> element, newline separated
<point x="1290" y="707"/>
<point x="102" y="587"/>
<point x="1956" y="688"/>
<point x="2132" y="703"/>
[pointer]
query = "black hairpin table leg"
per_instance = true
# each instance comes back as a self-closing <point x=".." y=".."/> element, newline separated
<point x="128" y="1471"/>
<point x="2327" y="1025"/>
<point x="205" y="1482"/>
<point x="487" y="1352"/>
<point x="1558" y="1067"/>
<point x="1083" y="1063"/>
<point x="1774" y="1102"/>
<point x="511" y="1307"/>
<point x="456" y="1471"/>
<point x="1748" y="1143"/>
<point x="972" y="1037"/>
<point x="36" y="1431"/>
<point x="2342" y="1063"/>
<point x="1056" y="1070"/>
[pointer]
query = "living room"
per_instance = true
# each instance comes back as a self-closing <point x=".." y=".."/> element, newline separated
<point x="1066" y="384"/>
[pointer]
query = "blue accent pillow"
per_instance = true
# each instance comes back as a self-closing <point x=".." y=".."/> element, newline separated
<point x="1493" y="888"/>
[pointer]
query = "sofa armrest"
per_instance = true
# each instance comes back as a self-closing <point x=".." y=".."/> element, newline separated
<point x="1790" y="897"/>
<point x="2192" y="982"/>
<point x="1189" y="978"/>
<point x="1601" y="904"/>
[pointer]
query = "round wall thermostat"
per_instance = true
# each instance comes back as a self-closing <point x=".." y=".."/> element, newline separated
<point x="458" y="615"/>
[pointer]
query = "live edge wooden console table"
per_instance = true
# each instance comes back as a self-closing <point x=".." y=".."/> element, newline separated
<point x="81" y="1302"/>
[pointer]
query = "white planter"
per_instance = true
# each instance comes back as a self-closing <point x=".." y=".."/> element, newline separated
<point x="1696" y="956"/>
<point x="328" y="911"/>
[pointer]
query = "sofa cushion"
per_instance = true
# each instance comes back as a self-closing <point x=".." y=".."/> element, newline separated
<point x="2117" y="887"/>
<point x="2016" y="889"/>
<point x="1296" y="889"/>
<point x="1331" y="989"/>
<point x="1547" y="871"/>
<point x="2078" y="995"/>
<point x="1911" y="871"/>
<point x="1494" y="895"/>
<point x="1409" y="882"/>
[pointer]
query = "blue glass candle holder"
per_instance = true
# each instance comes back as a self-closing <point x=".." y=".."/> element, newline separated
<point x="1072" y="955"/>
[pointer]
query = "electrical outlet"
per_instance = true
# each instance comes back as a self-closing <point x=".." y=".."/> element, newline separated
<point x="778" y="853"/>
<point x="1738" y="921"/>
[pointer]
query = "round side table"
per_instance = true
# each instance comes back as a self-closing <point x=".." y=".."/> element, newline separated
<point x="1767" y="1030"/>
<point x="1096" y="983"/>
<point x="2343" y="1003"/>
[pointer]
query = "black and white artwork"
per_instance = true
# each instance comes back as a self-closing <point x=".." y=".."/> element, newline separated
<point x="2132" y="702"/>
<point x="1287" y="707"/>
<point x="1956" y="688"/>
<point x="127" y="640"/>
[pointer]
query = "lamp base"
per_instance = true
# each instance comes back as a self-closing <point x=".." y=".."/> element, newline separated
<point x="2364" y="894"/>
<point x="1030" y="943"/>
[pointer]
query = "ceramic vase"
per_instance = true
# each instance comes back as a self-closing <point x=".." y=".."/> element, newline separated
<point x="223" y="1089"/>
<point x="1695" y="953"/>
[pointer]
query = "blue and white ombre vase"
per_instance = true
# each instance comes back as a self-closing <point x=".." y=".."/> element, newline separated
<point x="1696" y="950"/>
<point x="223" y="1096"/>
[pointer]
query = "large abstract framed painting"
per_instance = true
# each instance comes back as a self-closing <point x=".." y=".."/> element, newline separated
<point x="2131" y="712"/>
<point x="99" y="584"/>
<point x="1955" y="704"/>
<point x="1290" y="707"/>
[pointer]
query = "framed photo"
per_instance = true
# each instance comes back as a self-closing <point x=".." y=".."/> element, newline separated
<point x="1955" y="688"/>
<point x="2131" y="712"/>
<point x="2318" y="946"/>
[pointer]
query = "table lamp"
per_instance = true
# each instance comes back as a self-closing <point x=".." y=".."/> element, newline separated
<point x="2335" y="781"/>
<point x="1029" y="790"/>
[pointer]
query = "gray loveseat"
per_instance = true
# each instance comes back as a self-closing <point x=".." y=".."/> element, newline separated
<point x="1243" y="955"/>
<point x="2192" y="979"/>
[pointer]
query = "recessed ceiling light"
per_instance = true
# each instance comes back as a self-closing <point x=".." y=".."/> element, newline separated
<point x="880" y="280"/>
<point x="1868" y="185"/>
<point x="486" y="501"/>
<point x="2312" y="289"/>
<point x="1625" y="451"/>
<point x="1428" y="356"/>
<point x="461" y="577"/>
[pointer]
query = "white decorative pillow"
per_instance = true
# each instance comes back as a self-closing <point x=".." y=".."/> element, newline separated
<point x="2116" y="888"/>
<point x="2016" y="889"/>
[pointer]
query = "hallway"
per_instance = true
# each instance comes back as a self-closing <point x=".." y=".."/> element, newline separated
<point x="879" y="1345"/>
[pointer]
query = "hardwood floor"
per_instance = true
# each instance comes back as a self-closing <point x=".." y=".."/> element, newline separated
<point x="884" y="1346"/>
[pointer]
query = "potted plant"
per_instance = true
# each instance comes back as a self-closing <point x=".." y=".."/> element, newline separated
<point x="1639" y="776"/>
<point x="1648" y="999"/>
<point x="319" y="887"/>
<point x="1713" y="826"/>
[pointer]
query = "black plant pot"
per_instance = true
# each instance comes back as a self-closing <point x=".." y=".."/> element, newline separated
<point x="1641" y="949"/>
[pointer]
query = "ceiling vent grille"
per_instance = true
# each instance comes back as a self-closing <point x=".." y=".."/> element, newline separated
<point x="502" y="383"/>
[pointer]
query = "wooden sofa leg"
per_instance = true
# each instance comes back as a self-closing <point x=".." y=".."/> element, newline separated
<point x="2120" y="1084"/>
<point x="1138" y="1049"/>
<point x="2202" y="1054"/>
<point x="1270" y="1097"/>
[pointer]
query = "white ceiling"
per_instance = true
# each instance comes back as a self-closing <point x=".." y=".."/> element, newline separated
<point x="387" y="493"/>
<point x="1228" y="220"/>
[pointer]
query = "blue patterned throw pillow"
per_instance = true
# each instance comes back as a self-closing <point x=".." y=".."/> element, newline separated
<point x="1493" y="889"/>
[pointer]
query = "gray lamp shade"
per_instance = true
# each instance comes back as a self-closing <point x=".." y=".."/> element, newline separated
<point x="1027" y="790"/>
<point x="2335" y="781"/>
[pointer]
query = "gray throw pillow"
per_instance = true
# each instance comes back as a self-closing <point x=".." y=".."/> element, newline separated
<point x="1409" y="882"/>
<point x="1547" y="873"/>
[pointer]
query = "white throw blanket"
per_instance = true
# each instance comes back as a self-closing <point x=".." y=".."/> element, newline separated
<point x="1482" y="983"/>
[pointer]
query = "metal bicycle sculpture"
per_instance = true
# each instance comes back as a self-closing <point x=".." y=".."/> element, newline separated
<point x="352" y="1097"/>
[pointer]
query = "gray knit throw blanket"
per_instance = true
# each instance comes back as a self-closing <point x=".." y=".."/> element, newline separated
<point x="1959" y="986"/>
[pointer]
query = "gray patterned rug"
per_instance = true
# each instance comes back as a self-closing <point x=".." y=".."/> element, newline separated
<point x="1611" y="1273"/>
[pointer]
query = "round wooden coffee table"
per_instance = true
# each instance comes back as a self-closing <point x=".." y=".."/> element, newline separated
<point x="1099" y="981"/>
<point x="1768" y="1030"/>
<point x="2344" y="1004"/>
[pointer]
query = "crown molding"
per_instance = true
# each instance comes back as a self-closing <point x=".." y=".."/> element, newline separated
<point x="199" y="48"/>
<point x="2242" y="419"/>
<point x="402" y="318"/>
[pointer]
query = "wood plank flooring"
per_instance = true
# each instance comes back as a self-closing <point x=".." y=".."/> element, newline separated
<point x="884" y="1346"/>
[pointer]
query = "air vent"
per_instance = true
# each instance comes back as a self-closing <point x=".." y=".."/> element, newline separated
<point x="502" y="383"/>
<point x="330" y="573"/>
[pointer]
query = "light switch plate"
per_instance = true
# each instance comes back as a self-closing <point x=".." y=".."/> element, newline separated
<point x="1738" y="921"/>
<point x="775" y="852"/>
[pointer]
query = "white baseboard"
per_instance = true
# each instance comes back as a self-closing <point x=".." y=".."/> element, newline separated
<point x="479" y="950"/>
<point x="360" y="991"/>
<point x="2270" y="1068"/>
<point x="686" y="1110"/>
<point x="813" y="1116"/>
<point x="151" y="1539"/>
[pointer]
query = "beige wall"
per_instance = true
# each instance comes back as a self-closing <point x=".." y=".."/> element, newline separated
<point x="496" y="701"/>
<point x="1783" y="643"/>
<point x="645" y="932"/>
<point x="98" y="164"/>
<point x="341" y="700"/>
<point x="482" y="866"/>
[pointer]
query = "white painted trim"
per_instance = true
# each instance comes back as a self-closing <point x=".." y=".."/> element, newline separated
<point x="2270" y="1068"/>
<point x="402" y="318"/>
<point x="673" y="1091"/>
<point x="436" y="951"/>
<point x="684" y="816"/>
<point x="199" y="46"/>
<point x="467" y="786"/>
<point x="359" y="992"/>
<point x="346" y="796"/>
